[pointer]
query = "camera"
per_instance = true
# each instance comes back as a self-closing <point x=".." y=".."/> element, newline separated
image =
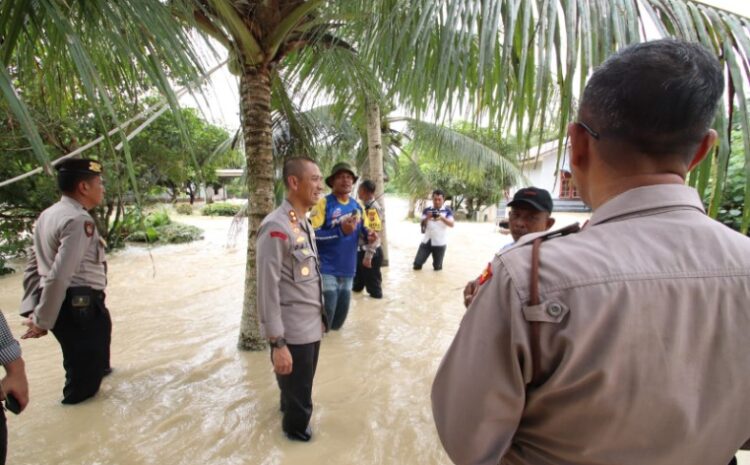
<point x="435" y="213"/>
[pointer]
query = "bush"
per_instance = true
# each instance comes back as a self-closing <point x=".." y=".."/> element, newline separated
<point x="172" y="233"/>
<point x="157" y="218"/>
<point x="184" y="209"/>
<point x="221" y="209"/>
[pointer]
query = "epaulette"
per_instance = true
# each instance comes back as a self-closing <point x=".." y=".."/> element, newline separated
<point x="534" y="298"/>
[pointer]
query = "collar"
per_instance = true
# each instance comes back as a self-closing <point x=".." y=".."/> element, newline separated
<point x="643" y="199"/>
<point x="72" y="202"/>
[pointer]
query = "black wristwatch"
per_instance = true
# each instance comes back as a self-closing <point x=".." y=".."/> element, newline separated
<point x="278" y="343"/>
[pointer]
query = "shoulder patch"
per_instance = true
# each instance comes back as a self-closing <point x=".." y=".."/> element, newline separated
<point x="279" y="234"/>
<point x="486" y="274"/>
<point x="88" y="228"/>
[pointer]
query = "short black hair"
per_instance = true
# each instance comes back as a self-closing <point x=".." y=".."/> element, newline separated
<point x="368" y="185"/>
<point x="67" y="181"/>
<point x="659" y="97"/>
<point x="438" y="192"/>
<point x="295" y="166"/>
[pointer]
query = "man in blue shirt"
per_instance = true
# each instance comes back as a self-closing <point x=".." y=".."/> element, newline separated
<point x="337" y="219"/>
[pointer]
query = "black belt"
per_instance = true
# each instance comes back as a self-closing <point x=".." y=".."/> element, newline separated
<point x="85" y="290"/>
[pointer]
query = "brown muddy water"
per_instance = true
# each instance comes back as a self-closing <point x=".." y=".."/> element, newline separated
<point x="181" y="392"/>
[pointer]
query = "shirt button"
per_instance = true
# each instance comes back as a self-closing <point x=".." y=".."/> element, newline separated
<point x="554" y="309"/>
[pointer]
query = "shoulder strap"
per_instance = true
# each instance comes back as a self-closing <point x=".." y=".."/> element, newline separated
<point x="535" y="299"/>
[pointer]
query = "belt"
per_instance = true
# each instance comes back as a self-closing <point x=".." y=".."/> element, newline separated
<point x="85" y="290"/>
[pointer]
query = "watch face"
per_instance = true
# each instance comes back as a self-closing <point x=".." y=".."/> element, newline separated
<point x="280" y="342"/>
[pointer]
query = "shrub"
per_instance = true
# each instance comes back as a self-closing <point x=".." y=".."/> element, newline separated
<point x="178" y="233"/>
<point x="184" y="209"/>
<point x="157" y="218"/>
<point x="172" y="233"/>
<point x="221" y="209"/>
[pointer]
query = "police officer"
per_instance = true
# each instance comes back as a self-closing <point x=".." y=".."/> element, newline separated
<point x="65" y="278"/>
<point x="290" y="294"/>
<point x="625" y="343"/>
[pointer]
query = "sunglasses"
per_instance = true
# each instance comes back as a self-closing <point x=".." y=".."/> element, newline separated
<point x="586" y="128"/>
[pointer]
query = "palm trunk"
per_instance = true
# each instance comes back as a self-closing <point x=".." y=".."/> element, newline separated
<point x="375" y="155"/>
<point x="255" y="109"/>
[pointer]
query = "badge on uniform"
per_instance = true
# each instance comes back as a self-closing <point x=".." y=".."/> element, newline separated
<point x="305" y="271"/>
<point x="88" y="228"/>
<point x="486" y="274"/>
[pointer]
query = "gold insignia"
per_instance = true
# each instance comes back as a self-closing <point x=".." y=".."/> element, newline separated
<point x="296" y="230"/>
<point x="293" y="216"/>
<point x="300" y="239"/>
<point x="95" y="166"/>
<point x="306" y="252"/>
<point x="305" y="271"/>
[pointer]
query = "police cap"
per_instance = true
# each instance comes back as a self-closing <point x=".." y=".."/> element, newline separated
<point x="79" y="166"/>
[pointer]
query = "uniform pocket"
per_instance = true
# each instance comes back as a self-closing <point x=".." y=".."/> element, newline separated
<point x="305" y="265"/>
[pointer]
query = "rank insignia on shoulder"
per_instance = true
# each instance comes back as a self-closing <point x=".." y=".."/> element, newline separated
<point x="88" y="228"/>
<point x="293" y="216"/>
<point x="486" y="274"/>
<point x="279" y="235"/>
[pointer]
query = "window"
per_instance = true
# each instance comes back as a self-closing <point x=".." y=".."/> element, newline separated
<point x="567" y="187"/>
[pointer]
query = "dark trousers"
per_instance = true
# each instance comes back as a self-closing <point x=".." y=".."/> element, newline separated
<point x="369" y="278"/>
<point x="425" y="249"/>
<point x="296" y="388"/>
<point x="3" y="437"/>
<point x="84" y="331"/>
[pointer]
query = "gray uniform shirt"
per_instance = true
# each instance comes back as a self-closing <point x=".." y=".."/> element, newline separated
<point x="642" y="344"/>
<point x="290" y="296"/>
<point x="67" y="252"/>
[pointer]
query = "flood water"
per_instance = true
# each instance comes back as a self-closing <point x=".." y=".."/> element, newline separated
<point x="181" y="392"/>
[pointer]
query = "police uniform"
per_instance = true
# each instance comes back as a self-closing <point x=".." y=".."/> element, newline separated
<point x="64" y="285"/>
<point x="290" y="305"/>
<point x="627" y="348"/>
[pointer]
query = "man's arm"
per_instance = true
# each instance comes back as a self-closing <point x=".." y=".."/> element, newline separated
<point x="31" y="287"/>
<point x="318" y="221"/>
<point x="448" y="218"/>
<point x="15" y="381"/>
<point x="271" y="248"/>
<point x="478" y="394"/>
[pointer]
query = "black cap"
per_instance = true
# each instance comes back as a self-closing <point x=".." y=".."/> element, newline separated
<point x="79" y="166"/>
<point x="337" y="168"/>
<point x="539" y="199"/>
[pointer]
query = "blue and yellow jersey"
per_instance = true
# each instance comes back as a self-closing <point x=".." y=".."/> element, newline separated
<point x="337" y="252"/>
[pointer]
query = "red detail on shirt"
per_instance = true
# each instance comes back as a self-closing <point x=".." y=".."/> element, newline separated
<point x="280" y="235"/>
<point x="486" y="274"/>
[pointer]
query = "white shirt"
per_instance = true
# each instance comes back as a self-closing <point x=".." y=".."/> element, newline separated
<point x="436" y="231"/>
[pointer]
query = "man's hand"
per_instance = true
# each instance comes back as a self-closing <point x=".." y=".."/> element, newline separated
<point x="15" y="382"/>
<point x="34" y="331"/>
<point x="348" y="225"/>
<point x="470" y="291"/>
<point x="282" y="360"/>
<point x="367" y="262"/>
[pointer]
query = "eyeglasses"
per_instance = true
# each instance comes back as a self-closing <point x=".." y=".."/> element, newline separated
<point x="591" y="132"/>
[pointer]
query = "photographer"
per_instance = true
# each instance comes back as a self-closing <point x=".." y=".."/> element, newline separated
<point x="435" y="223"/>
